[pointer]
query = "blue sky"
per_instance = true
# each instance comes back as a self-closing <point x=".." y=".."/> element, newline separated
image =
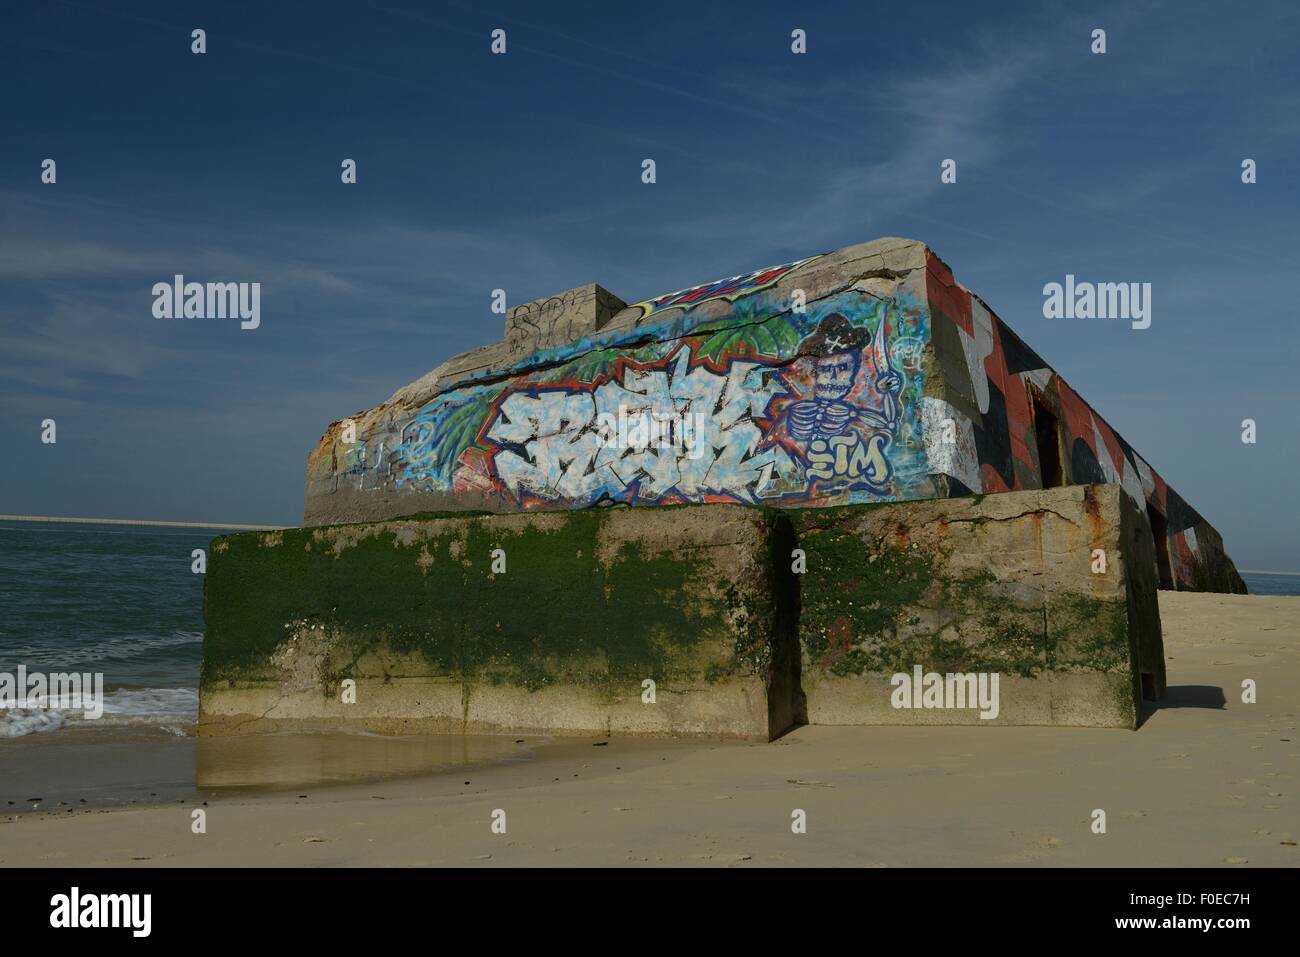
<point x="523" y="172"/>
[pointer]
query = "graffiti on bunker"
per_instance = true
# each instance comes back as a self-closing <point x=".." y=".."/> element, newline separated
<point x="770" y="407"/>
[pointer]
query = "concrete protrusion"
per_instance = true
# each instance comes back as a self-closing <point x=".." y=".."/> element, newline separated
<point x="560" y="319"/>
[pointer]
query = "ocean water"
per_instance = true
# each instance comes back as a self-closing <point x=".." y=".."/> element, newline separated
<point x="111" y="599"/>
<point x="1262" y="583"/>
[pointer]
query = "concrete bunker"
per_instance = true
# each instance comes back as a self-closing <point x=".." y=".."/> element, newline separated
<point x="946" y="487"/>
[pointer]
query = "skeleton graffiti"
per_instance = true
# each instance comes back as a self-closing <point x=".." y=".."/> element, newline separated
<point x="847" y="441"/>
<point x="789" y="408"/>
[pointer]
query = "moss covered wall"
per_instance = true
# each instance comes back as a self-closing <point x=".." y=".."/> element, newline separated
<point x="1005" y="584"/>
<point x="706" y="601"/>
<point x="591" y="603"/>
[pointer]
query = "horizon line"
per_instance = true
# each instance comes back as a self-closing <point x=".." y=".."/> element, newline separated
<point x="139" y="521"/>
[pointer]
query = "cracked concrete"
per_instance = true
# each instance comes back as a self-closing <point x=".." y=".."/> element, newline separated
<point x="1008" y="584"/>
<point x="1005" y="584"/>
<point x="880" y="270"/>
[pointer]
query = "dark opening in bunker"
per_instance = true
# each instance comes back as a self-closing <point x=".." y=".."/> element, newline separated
<point x="787" y="705"/>
<point x="1049" y="446"/>
<point x="1160" y="532"/>
<point x="1148" y="686"/>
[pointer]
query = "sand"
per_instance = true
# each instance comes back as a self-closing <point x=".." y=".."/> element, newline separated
<point x="1206" y="781"/>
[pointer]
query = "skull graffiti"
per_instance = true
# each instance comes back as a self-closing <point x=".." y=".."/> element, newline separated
<point x="835" y="374"/>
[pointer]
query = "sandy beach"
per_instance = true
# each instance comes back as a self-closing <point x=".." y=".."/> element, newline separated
<point x="1206" y="781"/>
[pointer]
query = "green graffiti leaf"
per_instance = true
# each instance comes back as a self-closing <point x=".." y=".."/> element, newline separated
<point x="586" y="368"/>
<point x="775" y="338"/>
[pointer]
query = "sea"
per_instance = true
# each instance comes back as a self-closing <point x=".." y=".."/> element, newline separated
<point x="1272" y="583"/>
<point x="117" y="600"/>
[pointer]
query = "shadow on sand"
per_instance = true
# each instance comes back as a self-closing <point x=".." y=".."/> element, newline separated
<point x="1185" y="696"/>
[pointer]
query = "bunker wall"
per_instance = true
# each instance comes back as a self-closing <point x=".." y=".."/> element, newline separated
<point x="1046" y="589"/>
<point x="746" y="621"/>
<point x="548" y="622"/>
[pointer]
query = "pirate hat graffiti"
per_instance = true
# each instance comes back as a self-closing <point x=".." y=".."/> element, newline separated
<point x="834" y="335"/>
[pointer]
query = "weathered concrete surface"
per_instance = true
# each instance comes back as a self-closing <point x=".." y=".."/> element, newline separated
<point x="1008" y="584"/>
<point x="438" y="635"/>
<point x="1052" y="590"/>
<point x="490" y="430"/>
<point x="558" y="320"/>
<point x="867" y="374"/>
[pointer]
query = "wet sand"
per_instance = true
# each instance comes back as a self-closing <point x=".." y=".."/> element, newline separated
<point x="1206" y="781"/>
<point x="95" y="767"/>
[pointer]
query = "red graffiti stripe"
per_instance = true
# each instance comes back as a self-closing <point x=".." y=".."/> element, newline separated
<point x="723" y="287"/>
<point x="951" y="299"/>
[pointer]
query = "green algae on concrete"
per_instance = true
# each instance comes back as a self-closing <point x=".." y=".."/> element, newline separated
<point x="1004" y="584"/>
<point x="688" y="619"/>
<point x="593" y="602"/>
